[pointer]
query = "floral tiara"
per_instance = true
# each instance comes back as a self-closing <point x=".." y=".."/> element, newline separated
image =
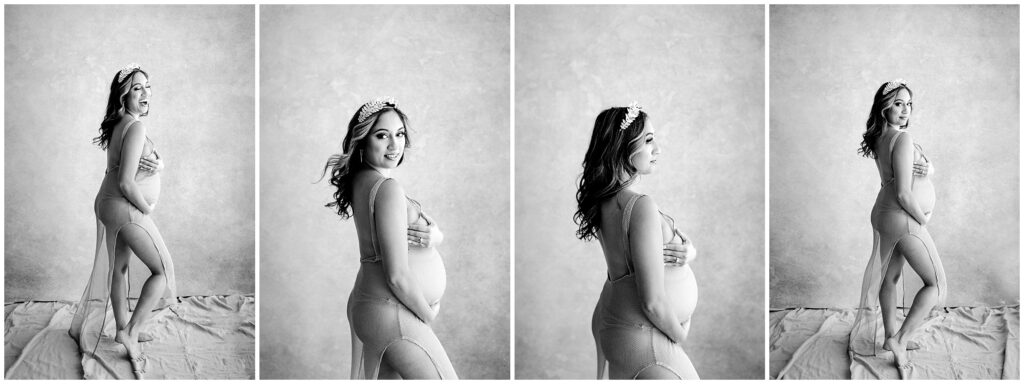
<point x="632" y="111"/>
<point x="127" y="70"/>
<point x="893" y="85"/>
<point x="375" y="106"/>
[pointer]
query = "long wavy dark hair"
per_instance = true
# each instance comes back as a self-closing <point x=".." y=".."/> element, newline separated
<point x="344" y="166"/>
<point x="115" y="107"/>
<point x="876" y="121"/>
<point x="608" y="159"/>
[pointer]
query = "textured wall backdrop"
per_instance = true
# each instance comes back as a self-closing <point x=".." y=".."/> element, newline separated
<point x="699" y="72"/>
<point x="59" y="61"/>
<point x="448" y="68"/>
<point x="826" y="64"/>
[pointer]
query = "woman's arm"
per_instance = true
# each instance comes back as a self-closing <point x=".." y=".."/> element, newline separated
<point x="903" y="169"/>
<point x="646" y="248"/>
<point x="131" y="151"/>
<point x="392" y="225"/>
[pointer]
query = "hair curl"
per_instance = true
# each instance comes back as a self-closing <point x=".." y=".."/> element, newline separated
<point x="608" y="158"/>
<point x="876" y="120"/>
<point x="115" y="107"/>
<point x="344" y="166"/>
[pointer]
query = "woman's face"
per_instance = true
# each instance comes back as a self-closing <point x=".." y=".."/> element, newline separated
<point x="647" y="157"/>
<point x="386" y="142"/>
<point x="136" y="101"/>
<point x="898" y="113"/>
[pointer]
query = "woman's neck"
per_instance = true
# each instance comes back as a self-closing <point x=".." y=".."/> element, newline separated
<point x="891" y="127"/>
<point x="386" y="172"/>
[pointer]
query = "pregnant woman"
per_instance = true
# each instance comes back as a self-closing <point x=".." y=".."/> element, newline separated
<point x="642" y="317"/>
<point x="899" y="218"/>
<point x="401" y="277"/>
<point x="123" y="206"/>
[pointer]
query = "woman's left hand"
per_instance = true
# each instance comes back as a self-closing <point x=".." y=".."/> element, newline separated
<point x="679" y="254"/>
<point x="426" y="236"/>
<point x="923" y="168"/>
<point x="149" y="165"/>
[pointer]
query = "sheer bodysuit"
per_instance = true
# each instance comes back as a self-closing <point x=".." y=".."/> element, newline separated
<point x="113" y="213"/>
<point x="626" y="339"/>
<point x="892" y="225"/>
<point x="378" y="319"/>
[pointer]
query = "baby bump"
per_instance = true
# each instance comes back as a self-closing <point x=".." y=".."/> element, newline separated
<point x="149" y="185"/>
<point x="427" y="267"/>
<point x="681" y="290"/>
<point x="924" y="193"/>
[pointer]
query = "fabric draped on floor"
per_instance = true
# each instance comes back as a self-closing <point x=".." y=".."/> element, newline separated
<point x="980" y="343"/>
<point x="203" y="337"/>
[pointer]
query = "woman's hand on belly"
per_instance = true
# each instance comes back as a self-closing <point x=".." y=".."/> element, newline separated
<point x="676" y="254"/>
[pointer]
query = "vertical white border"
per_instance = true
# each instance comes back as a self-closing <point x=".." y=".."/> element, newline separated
<point x="767" y="211"/>
<point x="512" y="192"/>
<point x="256" y="161"/>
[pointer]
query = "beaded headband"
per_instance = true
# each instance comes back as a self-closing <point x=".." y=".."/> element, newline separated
<point x="632" y="111"/>
<point x="126" y="71"/>
<point x="893" y="85"/>
<point x="375" y="106"/>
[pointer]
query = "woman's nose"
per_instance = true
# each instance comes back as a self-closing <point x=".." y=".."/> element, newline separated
<point x="657" y="148"/>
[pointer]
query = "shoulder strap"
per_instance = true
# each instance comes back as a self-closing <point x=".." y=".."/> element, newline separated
<point x="626" y="213"/>
<point x="373" y="218"/>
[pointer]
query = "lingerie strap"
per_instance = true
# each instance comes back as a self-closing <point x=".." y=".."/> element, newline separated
<point x="626" y="213"/>
<point x="892" y="145"/>
<point x="373" y="219"/>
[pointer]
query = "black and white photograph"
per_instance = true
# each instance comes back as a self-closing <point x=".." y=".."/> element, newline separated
<point x="129" y="164"/>
<point x="894" y="192"/>
<point x="384" y="192"/>
<point x="639" y="177"/>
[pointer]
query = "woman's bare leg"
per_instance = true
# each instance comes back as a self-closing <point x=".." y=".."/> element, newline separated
<point x="409" y="361"/>
<point x="919" y="255"/>
<point x="920" y="258"/>
<point x="119" y="284"/>
<point x="141" y="243"/>
<point x="887" y="295"/>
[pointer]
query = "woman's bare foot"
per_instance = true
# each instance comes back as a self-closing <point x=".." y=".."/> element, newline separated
<point x="131" y="345"/>
<point x="144" y="337"/>
<point x="911" y="345"/>
<point x="899" y="351"/>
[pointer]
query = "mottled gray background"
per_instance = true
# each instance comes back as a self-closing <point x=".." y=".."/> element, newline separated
<point x="699" y="72"/>
<point x="826" y="64"/>
<point x="448" y="68"/>
<point x="58" y="65"/>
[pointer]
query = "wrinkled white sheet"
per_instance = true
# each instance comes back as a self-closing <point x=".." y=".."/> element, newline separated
<point x="203" y="337"/>
<point x="963" y="343"/>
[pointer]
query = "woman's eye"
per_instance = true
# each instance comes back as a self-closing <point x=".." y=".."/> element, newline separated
<point x="381" y="136"/>
<point x="400" y="134"/>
